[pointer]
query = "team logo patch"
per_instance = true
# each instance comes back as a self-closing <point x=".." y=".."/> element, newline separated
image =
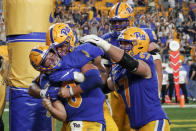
<point x="76" y="125"/>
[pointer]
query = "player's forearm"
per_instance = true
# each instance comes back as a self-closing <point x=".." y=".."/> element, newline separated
<point x="158" y="66"/>
<point x="57" y="110"/>
<point x="93" y="80"/>
<point x="57" y="114"/>
<point x="69" y="92"/>
<point x="115" y="53"/>
<point x="34" y="90"/>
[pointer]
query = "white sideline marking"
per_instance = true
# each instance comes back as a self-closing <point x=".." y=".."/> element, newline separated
<point x="178" y="106"/>
<point x="6" y="110"/>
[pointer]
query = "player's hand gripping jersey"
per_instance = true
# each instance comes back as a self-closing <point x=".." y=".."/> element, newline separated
<point x="80" y="107"/>
<point x="147" y="106"/>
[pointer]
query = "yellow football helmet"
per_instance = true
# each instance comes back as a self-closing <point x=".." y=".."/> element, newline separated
<point x="37" y="58"/>
<point x="121" y="12"/>
<point x="59" y="34"/>
<point x="137" y="39"/>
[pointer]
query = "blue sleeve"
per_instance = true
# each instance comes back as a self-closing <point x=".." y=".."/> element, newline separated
<point x="63" y="75"/>
<point x="147" y="57"/>
<point x="90" y="50"/>
<point x="93" y="80"/>
<point x="75" y="59"/>
<point x="106" y="36"/>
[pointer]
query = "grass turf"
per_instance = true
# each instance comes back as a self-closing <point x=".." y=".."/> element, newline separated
<point x="182" y="119"/>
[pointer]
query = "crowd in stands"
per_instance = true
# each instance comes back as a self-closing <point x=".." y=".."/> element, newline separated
<point x="169" y="20"/>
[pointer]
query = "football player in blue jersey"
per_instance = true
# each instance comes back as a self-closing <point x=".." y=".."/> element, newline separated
<point x="136" y="77"/>
<point x="79" y="99"/>
<point x="62" y="34"/>
<point x="121" y="17"/>
<point x="92" y="51"/>
<point x="62" y="40"/>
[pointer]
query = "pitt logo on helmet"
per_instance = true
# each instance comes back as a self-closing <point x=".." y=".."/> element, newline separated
<point x="140" y="36"/>
<point x="65" y="30"/>
<point x="60" y="34"/>
<point x="136" y="38"/>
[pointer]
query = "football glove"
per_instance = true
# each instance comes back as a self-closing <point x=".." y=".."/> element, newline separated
<point x="97" y="41"/>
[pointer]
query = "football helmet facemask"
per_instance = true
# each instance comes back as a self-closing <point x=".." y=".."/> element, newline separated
<point x="121" y="16"/>
<point x="44" y="58"/>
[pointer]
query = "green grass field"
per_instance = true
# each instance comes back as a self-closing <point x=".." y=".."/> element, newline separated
<point x="182" y="119"/>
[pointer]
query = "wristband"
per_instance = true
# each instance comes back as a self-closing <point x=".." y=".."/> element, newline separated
<point x="43" y="93"/>
<point x="71" y="92"/>
<point x="129" y="62"/>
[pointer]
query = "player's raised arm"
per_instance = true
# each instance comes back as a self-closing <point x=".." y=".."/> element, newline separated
<point x="121" y="56"/>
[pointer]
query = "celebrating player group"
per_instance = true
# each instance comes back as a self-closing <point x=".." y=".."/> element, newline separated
<point x="76" y="76"/>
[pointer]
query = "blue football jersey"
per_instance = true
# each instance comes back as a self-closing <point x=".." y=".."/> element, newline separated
<point x="151" y="34"/>
<point x="80" y="56"/>
<point x="87" y="106"/>
<point x="140" y="94"/>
